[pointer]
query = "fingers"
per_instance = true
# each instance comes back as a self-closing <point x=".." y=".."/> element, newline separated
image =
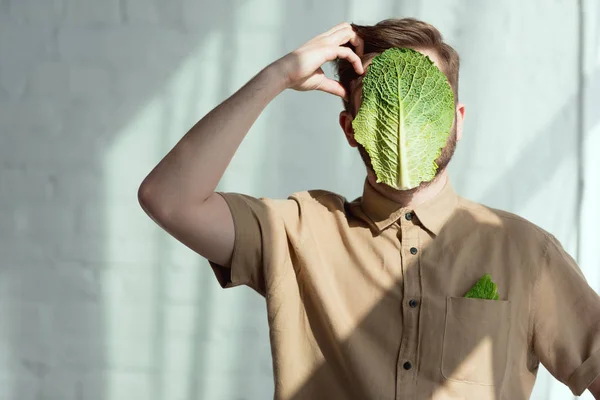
<point x="337" y="28"/>
<point x="347" y="54"/>
<point x="342" y="36"/>
<point x="344" y="33"/>
<point x="358" y="43"/>
<point x="334" y="87"/>
<point x="307" y="60"/>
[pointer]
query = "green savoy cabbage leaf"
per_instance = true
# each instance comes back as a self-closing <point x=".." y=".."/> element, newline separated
<point x="484" y="289"/>
<point x="405" y="117"/>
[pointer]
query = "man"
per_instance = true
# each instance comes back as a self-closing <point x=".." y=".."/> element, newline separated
<point x="365" y="299"/>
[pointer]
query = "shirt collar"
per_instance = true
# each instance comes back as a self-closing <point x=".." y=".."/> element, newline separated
<point x="383" y="212"/>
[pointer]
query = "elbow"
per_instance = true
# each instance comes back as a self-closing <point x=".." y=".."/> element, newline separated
<point x="164" y="204"/>
<point x="149" y="200"/>
<point x="143" y="195"/>
<point x="160" y="203"/>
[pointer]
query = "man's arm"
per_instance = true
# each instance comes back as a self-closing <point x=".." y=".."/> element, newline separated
<point x="179" y="192"/>
<point x="595" y="388"/>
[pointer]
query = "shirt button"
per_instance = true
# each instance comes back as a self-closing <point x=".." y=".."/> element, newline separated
<point x="413" y="303"/>
<point x="413" y="250"/>
<point x="408" y="216"/>
<point x="407" y="365"/>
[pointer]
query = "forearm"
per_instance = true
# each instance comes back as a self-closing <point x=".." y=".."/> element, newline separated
<point x="191" y="171"/>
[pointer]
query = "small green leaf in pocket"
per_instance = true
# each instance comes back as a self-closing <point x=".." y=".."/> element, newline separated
<point x="484" y="289"/>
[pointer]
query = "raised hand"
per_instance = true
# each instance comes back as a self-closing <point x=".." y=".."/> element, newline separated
<point x="302" y="67"/>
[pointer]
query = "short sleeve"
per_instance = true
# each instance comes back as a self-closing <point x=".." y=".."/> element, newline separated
<point x="260" y="240"/>
<point x="566" y="320"/>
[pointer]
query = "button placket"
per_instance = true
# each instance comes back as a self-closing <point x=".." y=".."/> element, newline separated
<point x="407" y="357"/>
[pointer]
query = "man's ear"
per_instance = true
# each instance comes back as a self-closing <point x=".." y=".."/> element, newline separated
<point x="460" y="119"/>
<point x="346" y="124"/>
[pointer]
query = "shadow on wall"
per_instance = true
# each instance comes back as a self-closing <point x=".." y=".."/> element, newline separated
<point x="522" y="182"/>
<point x="311" y="140"/>
<point x="73" y="77"/>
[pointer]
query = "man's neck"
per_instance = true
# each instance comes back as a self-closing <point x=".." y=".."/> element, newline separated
<point x="414" y="197"/>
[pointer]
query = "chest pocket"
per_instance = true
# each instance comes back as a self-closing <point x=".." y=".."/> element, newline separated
<point x="475" y="340"/>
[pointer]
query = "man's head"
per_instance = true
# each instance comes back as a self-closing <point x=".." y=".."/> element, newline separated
<point x="403" y="33"/>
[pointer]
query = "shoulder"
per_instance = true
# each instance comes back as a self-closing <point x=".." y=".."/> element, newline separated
<point x="506" y="224"/>
<point x="296" y="204"/>
<point x="319" y="200"/>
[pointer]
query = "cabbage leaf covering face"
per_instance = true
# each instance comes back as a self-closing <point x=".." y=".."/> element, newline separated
<point x="405" y="117"/>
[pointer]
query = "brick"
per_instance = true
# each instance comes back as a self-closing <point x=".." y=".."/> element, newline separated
<point x="186" y="261"/>
<point x="21" y="47"/>
<point x="198" y="17"/>
<point x="79" y="180"/>
<point x="181" y="386"/>
<point x="255" y="19"/>
<point x="119" y="219"/>
<point x="27" y="356"/>
<point x="55" y="199"/>
<point x="129" y="287"/>
<point x="92" y="13"/>
<point x="187" y="284"/>
<point x="121" y="176"/>
<point x="62" y="189"/>
<point x="48" y="284"/>
<point x="40" y="221"/>
<point x="118" y="250"/>
<point x="244" y="47"/>
<point x="250" y="385"/>
<point x="61" y="384"/>
<point x="80" y="321"/>
<point x="119" y="385"/>
<point x="180" y="356"/>
<point x="24" y="322"/>
<point x="27" y="117"/>
<point x="90" y="84"/>
<point x="44" y="12"/>
<point x="60" y="152"/>
<point x="184" y="322"/>
<point x="127" y="49"/>
<point x="153" y="12"/>
<point x="105" y="353"/>
<point x="24" y="183"/>
<point x="14" y="386"/>
<point x="101" y="322"/>
<point x="48" y="79"/>
<point x="16" y="251"/>
<point x="100" y="46"/>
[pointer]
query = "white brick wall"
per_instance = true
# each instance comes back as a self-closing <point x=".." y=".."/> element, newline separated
<point x="95" y="301"/>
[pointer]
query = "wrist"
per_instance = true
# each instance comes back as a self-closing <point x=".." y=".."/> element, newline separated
<point x="278" y="73"/>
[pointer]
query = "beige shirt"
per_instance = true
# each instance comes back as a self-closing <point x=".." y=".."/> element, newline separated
<point x="365" y="299"/>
